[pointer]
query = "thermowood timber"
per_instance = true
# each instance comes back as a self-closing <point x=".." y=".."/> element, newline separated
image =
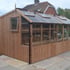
<point x="10" y="42"/>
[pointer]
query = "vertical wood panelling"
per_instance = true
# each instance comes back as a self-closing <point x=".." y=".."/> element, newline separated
<point x="42" y="52"/>
<point x="11" y="41"/>
<point x="1" y="49"/>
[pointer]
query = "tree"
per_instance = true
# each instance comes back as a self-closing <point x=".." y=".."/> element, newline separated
<point x="60" y="11"/>
<point x="67" y="13"/>
<point x="63" y="12"/>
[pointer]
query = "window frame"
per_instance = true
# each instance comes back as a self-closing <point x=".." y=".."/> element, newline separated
<point x="25" y="38"/>
<point x="60" y="32"/>
<point x="16" y="29"/>
<point x="25" y="34"/>
<point x="66" y="32"/>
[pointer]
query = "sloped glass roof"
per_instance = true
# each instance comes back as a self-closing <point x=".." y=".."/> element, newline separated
<point x="27" y="13"/>
<point x="63" y="20"/>
<point x="45" y="18"/>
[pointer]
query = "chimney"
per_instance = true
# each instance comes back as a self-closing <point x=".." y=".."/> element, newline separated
<point x="36" y="1"/>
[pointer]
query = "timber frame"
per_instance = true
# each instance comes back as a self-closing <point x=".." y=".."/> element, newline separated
<point x="34" y="40"/>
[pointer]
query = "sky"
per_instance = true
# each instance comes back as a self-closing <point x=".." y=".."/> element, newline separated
<point x="8" y="5"/>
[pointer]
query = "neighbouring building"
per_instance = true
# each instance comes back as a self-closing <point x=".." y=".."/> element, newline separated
<point x="41" y="7"/>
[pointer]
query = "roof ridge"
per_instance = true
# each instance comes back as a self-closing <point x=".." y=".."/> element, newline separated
<point x="38" y="3"/>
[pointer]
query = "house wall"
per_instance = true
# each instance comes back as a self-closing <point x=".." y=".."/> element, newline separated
<point x="41" y="52"/>
<point x="51" y="11"/>
<point x="10" y="41"/>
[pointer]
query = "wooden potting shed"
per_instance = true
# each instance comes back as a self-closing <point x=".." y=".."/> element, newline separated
<point x="32" y="37"/>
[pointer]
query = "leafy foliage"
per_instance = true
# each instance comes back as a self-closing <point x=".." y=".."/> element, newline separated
<point x="60" y="11"/>
<point x="64" y="12"/>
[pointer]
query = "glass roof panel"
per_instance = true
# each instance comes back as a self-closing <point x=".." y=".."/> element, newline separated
<point x="28" y="13"/>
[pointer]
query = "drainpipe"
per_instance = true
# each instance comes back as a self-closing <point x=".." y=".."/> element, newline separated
<point x="30" y="43"/>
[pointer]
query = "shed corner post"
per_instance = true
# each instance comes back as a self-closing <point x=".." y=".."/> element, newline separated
<point x="30" y="43"/>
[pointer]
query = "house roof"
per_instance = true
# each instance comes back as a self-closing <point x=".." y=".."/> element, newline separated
<point x="44" y="18"/>
<point x="40" y="7"/>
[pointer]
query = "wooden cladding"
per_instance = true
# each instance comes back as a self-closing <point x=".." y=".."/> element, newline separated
<point x="10" y="42"/>
<point x="41" y="52"/>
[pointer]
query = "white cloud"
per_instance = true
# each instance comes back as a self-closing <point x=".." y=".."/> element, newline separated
<point x="59" y="3"/>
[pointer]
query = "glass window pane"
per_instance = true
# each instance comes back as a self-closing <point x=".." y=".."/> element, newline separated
<point x="45" y="25"/>
<point x="36" y="25"/>
<point x="65" y="31"/>
<point x="46" y="35"/>
<point x="25" y="26"/>
<point x="53" y="31"/>
<point x="25" y="38"/>
<point x="69" y="30"/>
<point x="14" y="23"/>
<point x="36" y="36"/>
<point x="52" y="26"/>
<point x="24" y="32"/>
<point x="60" y="27"/>
<point x="59" y="34"/>
<point x="68" y="33"/>
<point x="52" y="34"/>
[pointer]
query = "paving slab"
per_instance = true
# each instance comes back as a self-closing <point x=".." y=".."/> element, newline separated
<point x="68" y="68"/>
<point x="8" y="68"/>
<point x="12" y="62"/>
<point x="2" y="64"/>
<point x="16" y="63"/>
<point x="59" y="66"/>
<point x="5" y="58"/>
<point x="60" y="62"/>
<point x="66" y="56"/>
<point x="48" y="62"/>
<point x="31" y="67"/>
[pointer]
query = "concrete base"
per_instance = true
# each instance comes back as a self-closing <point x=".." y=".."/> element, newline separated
<point x="60" y="62"/>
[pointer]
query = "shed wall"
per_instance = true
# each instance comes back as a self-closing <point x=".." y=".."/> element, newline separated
<point x="10" y="41"/>
<point x="1" y="38"/>
<point x="42" y="52"/>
